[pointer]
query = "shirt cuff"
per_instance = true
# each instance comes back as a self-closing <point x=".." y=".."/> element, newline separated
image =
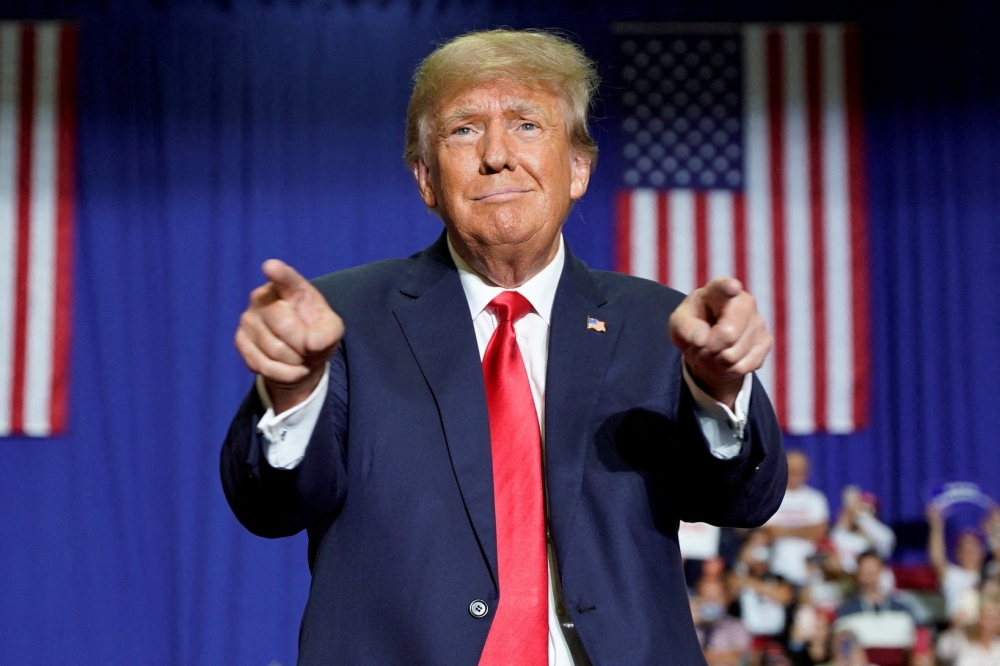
<point x="724" y="428"/>
<point x="287" y="435"/>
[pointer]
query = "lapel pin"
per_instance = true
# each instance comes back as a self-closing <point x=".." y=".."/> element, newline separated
<point x="596" y="325"/>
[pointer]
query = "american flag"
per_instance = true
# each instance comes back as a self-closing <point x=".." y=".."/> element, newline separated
<point x="37" y="126"/>
<point x="596" y="325"/>
<point x="742" y="156"/>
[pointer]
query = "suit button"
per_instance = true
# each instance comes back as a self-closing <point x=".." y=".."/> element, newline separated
<point x="478" y="609"/>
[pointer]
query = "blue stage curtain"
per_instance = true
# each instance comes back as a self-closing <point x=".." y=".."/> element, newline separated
<point x="214" y="135"/>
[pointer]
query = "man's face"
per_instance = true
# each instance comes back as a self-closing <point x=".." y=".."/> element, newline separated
<point x="712" y="591"/>
<point x="798" y="470"/>
<point x="869" y="574"/>
<point x="501" y="171"/>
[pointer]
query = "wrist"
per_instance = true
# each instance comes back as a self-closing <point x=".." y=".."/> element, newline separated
<point x="720" y="390"/>
<point x="285" y="396"/>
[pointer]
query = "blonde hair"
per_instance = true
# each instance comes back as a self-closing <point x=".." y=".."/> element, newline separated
<point x="530" y="57"/>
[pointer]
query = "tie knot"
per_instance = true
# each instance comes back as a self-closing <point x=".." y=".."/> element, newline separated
<point x="510" y="306"/>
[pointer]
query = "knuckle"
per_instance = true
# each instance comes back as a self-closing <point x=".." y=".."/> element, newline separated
<point x="278" y="321"/>
<point x="250" y="355"/>
<point x="731" y="356"/>
<point x="242" y="341"/>
<point x="327" y="339"/>
<point x="244" y="344"/>
<point x="274" y="348"/>
<point x="728" y="333"/>
<point x="239" y="341"/>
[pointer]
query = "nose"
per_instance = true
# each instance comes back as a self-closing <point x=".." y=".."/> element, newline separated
<point x="498" y="150"/>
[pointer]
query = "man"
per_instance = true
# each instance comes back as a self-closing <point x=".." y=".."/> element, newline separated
<point x="801" y="522"/>
<point x="489" y="444"/>
<point x="879" y="620"/>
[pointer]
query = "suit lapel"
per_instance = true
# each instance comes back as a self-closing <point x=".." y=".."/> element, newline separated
<point x="578" y="361"/>
<point x="438" y="328"/>
<point x="437" y="325"/>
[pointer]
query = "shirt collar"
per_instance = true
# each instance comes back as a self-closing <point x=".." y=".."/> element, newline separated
<point x="540" y="290"/>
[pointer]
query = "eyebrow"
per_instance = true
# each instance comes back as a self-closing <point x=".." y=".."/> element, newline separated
<point x="458" y="114"/>
<point x="518" y="106"/>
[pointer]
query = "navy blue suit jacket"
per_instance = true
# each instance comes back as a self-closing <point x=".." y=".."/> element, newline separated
<point x="396" y="486"/>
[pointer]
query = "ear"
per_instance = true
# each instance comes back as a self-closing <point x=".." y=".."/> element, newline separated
<point x="422" y="173"/>
<point x="581" y="175"/>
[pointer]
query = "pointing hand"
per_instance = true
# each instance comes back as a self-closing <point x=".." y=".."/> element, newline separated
<point x="287" y="333"/>
<point x="721" y="335"/>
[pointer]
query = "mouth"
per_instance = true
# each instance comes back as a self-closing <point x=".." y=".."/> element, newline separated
<point x="500" y="194"/>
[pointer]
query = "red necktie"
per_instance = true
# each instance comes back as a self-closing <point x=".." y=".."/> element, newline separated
<point x="519" y="633"/>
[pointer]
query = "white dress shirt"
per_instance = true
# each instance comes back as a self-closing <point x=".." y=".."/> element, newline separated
<point x="287" y="434"/>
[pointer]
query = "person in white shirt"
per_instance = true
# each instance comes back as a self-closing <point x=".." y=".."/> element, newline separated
<point x="764" y="597"/>
<point x="801" y="521"/>
<point x="859" y="529"/>
<point x="977" y="645"/>
<point x="956" y="579"/>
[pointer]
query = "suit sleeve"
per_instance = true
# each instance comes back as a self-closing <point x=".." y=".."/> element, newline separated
<point x="273" y="502"/>
<point x="743" y="491"/>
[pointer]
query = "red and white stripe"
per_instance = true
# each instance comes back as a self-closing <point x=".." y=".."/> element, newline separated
<point x="37" y="132"/>
<point x="795" y="235"/>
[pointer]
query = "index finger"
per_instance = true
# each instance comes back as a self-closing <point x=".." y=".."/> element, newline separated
<point x="720" y="291"/>
<point x="287" y="281"/>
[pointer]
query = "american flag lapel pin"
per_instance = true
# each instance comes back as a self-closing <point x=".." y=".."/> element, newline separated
<point x="596" y="325"/>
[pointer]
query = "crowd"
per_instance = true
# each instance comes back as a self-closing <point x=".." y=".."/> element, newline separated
<point x="803" y="590"/>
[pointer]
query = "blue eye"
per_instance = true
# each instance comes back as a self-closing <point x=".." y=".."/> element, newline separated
<point x="529" y="126"/>
<point x="463" y="130"/>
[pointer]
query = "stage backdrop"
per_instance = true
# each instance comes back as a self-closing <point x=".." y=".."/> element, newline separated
<point x="213" y="135"/>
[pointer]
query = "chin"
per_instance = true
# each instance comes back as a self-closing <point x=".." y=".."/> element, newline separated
<point x="507" y="227"/>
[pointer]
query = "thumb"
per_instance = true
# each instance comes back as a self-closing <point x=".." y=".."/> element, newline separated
<point x="325" y="332"/>
<point x="718" y="292"/>
<point x="287" y="281"/>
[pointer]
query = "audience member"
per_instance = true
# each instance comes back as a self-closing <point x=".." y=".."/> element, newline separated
<point x="858" y="529"/>
<point x="955" y="578"/>
<point x="873" y="615"/>
<point x="976" y="645"/>
<point x="809" y="637"/>
<point x="827" y="584"/>
<point x="763" y="597"/>
<point x="724" y="639"/>
<point x="800" y="522"/>
<point x="842" y="619"/>
<point x="817" y="605"/>
<point x="991" y="527"/>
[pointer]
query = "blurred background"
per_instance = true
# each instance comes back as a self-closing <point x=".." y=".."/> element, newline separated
<point x="208" y="135"/>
